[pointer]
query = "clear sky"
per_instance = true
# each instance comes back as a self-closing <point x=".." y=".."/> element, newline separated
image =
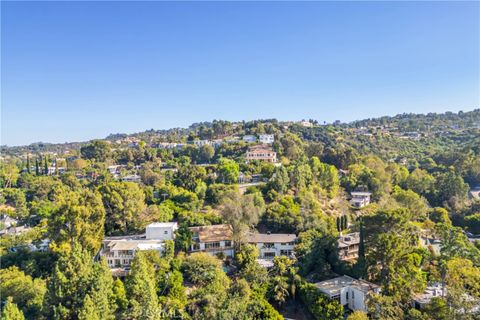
<point x="73" y="71"/>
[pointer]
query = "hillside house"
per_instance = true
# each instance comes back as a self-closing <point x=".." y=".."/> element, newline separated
<point x="249" y="138"/>
<point x="348" y="246"/>
<point x="120" y="251"/>
<point x="266" y="138"/>
<point x="261" y="154"/>
<point x="351" y="293"/>
<point x="215" y="239"/>
<point x="161" y="230"/>
<point x="271" y="245"/>
<point x="360" y="199"/>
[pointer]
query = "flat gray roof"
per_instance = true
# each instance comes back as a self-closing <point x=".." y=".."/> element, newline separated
<point x="333" y="287"/>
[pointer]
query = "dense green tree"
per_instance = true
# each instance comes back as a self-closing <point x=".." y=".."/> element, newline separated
<point x="24" y="291"/>
<point x="319" y="305"/>
<point x="98" y="150"/>
<point x="314" y="251"/>
<point x="420" y="181"/>
<point x="280" y="180"/>
<point x="227" y="171"/>
<point x="358" y="315"/>
<point x="9" y="174"/>
<point x="141" y="289"/>
<point x="326" y="176"/>
<point x="246" y="255"/>
<point x="390" y="249"/>
<point x="16" y="198"/>
<point x="408" y="199"/>
<point x="450" y="189"/>
<point x="79" y="217"/>
<point x="10" y="311"/>
<point x="201" y="268"/>
<point x="189" y="177"/>
<point x="283" y="216"/>
<point x="123" y="201"/>
<point x="241" y="212"/>
<point x="206" y="153"/>
<point x="119" y="297"/>
<point x="440" y="215"/>
<point x="74" y="276"/>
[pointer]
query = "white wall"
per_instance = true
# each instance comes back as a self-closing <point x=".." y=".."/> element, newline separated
<point x="277" y="248"/>
<point x="160" y="233"/>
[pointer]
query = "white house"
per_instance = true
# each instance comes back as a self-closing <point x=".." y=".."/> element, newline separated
<point x="161" y="230"/>
<point x="360" y="199"/>
<point x="266" y="138"/>
<point x="216" y="239"/>
<point x="350" y="292"/>
<point x="433" y="290"/>
<point x="271" y="245"/>
<point x="249" y="138"/>
<point x="120" y="252"/>
<point x="307" y="124"/>
<point x="132" y="178"/>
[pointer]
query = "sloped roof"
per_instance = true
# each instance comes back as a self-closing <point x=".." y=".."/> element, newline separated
<point x="270" y="238"/>
<point x="213" y="233"/>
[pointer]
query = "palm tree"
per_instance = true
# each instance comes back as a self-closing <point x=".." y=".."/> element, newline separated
<point x="280" y="290"/>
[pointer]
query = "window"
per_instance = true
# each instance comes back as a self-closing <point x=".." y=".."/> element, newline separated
<point x="228" y="243"/>
<point x="269" y="255"/>
<point x="165" y="232"/>
<point x="268" y="245"/>
<point x="212" y="245"/>
<point x="346" y="296"/>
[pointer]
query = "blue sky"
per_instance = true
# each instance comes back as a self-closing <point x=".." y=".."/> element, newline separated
<point x="73" y="71"/>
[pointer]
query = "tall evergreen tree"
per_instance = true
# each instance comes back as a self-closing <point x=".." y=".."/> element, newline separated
<point x="11" y="311"/>
<point x="102" y="291"/>
<point x="45" y="170"/>
<point x="28" y="163"/>
<point x="141" y="289"/>
<point x="79" y="288"/>
<point x="37" y="167"/>
<point x="360" y="266"/>
<point x="89" y="310"/>
<point x="68" y="284"/>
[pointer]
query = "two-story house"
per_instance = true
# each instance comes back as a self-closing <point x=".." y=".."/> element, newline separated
<point x="215" y="239"/>
<point x="261" y="153"/>
<point x="271" y="245"/>
<point x="120" y="251"/>
<point x="348" y="246"/>
<point x="249" y="138"/>
<point x="350" y="292"/>
<point x="360" y="199"/>
<point x="161" y="230"/>
<point x="266" y="138"/>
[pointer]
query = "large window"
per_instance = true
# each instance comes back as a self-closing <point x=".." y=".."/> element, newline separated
<point x="212" y="245"/>
<point x="269" y="255"/>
